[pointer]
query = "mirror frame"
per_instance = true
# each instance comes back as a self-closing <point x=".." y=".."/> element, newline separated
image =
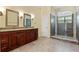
<point x="24" y="18"/>
<point x="7" y="18"/>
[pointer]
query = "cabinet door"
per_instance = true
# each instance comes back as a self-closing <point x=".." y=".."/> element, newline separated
<point x="27" y="36"/>
<point x="0" y="42"/>
<point x="36" y="34"/>
<point x="21" y="38"/>
<point x="12" y="40"/>
<point x="4" y="41"/>
<point x="31" y="35"/>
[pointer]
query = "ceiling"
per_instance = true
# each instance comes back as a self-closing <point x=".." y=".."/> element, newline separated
<point x="65" y="7"/>
<point x="24" y="8"/>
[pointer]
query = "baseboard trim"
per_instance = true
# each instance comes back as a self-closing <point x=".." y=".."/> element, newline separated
<point x="44" y="37"/>
<point x="66" y="40"/>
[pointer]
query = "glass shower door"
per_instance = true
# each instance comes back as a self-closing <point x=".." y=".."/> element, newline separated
<point x="77" y="27"/>
<point x="69" y="26"/>
<point x="65" y="26"/>
<point x="60" y="26"/>
<point x="52" y="25"/>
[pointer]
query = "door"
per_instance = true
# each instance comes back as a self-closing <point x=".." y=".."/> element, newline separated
<point x="69" y="25"/>
<point x="61" y="26"/>
<point x="65" y="25"/>
<point x="45" y="25"/>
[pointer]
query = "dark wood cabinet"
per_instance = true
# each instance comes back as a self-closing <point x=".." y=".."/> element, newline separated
<point x="21" y="37"/>
<point x="12" y="39"/>
<point x="27" y="36"/>
<point x="30" y="35"/>
<point x="4" y="37"/>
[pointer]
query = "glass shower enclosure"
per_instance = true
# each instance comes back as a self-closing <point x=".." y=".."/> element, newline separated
<point x="64" y="25"/>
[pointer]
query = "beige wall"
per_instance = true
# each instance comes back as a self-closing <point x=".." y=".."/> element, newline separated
<point x="2" y="19"/>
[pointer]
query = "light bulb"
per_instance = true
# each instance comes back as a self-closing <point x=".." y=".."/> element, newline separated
<point x="32" y="16"/>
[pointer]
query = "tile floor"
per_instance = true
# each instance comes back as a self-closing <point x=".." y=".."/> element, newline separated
<point x="48" y="45"/>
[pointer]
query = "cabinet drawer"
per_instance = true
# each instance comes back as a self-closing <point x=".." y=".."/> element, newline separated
<point x="4" y="37"/>
<point x="4" y="49"/>
<point x="20" y="31"/>
<point x="4" y="41"/>
<point x="4" y="45"/>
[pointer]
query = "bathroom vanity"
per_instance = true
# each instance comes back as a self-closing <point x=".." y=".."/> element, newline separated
<point x="13" y="38"/>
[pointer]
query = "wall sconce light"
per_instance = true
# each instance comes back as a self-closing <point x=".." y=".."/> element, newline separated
<point x="2" y="10"/>
<point x="32" y="16"/>
<point x="1" y="14"/>
<point x="21" y="17"/>
<point x="20" y="14"/>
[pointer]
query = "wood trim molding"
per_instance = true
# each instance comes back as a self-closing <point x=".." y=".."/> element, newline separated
<point x="7" y="18"/>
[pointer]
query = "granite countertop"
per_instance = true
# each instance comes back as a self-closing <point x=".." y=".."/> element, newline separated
<point x="14" y="29"/>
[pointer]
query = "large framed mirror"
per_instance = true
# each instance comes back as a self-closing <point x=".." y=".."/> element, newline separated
<point x="12" y="18"/>
<point x="27" y="20"/>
